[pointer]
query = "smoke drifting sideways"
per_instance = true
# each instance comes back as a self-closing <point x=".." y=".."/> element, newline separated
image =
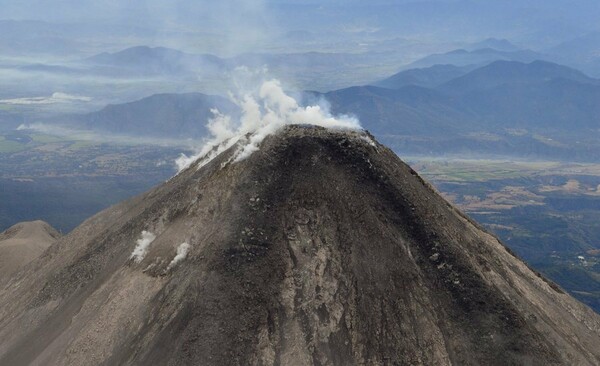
<point x="182" y="252"/>
<point x="263" y="112"/>
<point x="142" y="245"/>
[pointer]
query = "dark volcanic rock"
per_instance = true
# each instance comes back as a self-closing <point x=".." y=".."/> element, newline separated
<point x="320" y="248"/>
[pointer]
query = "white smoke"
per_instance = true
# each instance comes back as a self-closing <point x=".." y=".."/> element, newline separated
<point x="264" y="112"/>
<point x="368" y="140"/>
<point x="53" y="99"/>
<point x="142" y="245"/>
<point x="182" y="252"/>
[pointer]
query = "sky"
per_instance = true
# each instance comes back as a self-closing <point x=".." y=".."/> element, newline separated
<point x="77" y="29"/>
<point x="257" y="11"/>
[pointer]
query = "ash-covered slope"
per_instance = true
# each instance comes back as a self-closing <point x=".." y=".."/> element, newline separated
<point x="320" y="248"/>
<point x="22" y="243"/>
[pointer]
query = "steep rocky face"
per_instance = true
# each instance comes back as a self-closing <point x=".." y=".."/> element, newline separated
<point x="320" y="248"/>
<point x="22" y="243"/>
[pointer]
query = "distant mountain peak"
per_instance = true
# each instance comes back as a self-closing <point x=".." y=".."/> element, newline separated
<point x="495" y="44"/>
<point x="165" y="115"/>
<point x="479" y="56"/>
<point x="146" y="60"/>
<point x="505" y="71"/>
<point x="425" y="77"/>
<point x="134" y="53"/>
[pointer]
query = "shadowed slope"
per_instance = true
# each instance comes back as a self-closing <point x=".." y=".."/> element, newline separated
<point x="320" y="248"/>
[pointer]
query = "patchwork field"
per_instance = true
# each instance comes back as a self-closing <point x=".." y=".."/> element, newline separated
<point x="547" y="212"/>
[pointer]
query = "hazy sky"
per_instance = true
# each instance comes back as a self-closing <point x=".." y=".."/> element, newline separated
<point x="248" y="24"/>
<point x="76" y="10"/>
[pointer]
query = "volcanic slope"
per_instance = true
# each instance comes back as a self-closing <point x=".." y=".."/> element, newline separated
<point x="22" y="243"/>
<point x="321" y="248"/>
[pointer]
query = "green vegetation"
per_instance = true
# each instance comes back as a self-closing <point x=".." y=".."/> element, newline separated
<point x="76" y="145"/>
<point x="7" y="146"/>
<point x="45" y="139"/>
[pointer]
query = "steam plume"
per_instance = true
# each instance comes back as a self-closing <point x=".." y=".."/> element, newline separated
<point x="264" y="112"/>
<point x="182" y="251"/>
<point x="141" y="248"/>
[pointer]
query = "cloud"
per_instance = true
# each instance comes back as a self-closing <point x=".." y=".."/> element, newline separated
<point x="264" y="112"/>
<point x="55" y="98"/>
<point x="142" y="245"/>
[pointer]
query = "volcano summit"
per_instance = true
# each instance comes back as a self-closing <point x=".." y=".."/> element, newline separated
<point x="322" y="248"/>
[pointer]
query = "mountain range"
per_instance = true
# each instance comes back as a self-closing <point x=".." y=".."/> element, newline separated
<point x="144" y="60"/>
<point x="173" y="116"/>
<point x="477" y="57"/>
<point x="167" y="61"/>
<point x="502" y="45"/>
<point x="429" y="77"/>
<point x="581" y="52"/>
<point x="168" y="69"/>
<point x="538" y="109"/>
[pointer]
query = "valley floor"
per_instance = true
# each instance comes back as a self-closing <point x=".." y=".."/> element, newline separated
<point x="547" y="212"/>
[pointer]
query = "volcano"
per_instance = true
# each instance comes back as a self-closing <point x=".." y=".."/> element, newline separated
<point x="321" y="248"/>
